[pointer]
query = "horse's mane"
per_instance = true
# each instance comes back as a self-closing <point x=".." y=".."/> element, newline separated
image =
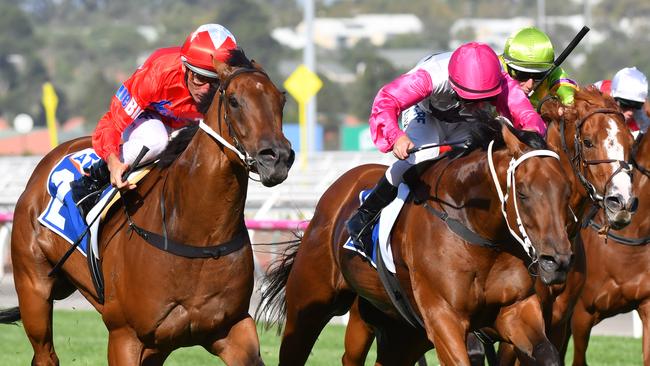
<point x="238" y="58"/>
<point x="177" y="145"/>
<point x="591" y="97"/>
<point x="490" y="129"/>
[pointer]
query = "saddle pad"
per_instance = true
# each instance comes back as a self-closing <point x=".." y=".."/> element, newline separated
<point x="61" y="214"/>
<point x="381" y="231"/>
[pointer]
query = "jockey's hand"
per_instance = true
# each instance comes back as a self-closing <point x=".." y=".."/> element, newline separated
<point x="117" y="169"/>
<point x="402" y="146"/>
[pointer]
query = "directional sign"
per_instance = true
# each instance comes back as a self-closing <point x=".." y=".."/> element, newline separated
<point x="303" y="84"/>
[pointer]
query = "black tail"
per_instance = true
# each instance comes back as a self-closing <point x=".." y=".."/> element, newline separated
<point x="10" y="316"/>
<point x="273" y="305"/>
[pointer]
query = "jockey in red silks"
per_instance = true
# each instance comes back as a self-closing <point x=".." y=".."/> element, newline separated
<point x="629" y="88"/>
<point x="173" y="88"/>
<point x="437" y="100"/>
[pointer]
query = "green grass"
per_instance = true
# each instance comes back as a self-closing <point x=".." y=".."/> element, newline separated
<point x="80" y="339"/>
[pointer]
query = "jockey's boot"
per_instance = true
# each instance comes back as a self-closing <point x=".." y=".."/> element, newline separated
<point x="359" y="224"/>
<point x="87" y="189"/>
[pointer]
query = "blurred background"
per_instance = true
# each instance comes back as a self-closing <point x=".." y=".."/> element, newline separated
<point x="79" y="51"/>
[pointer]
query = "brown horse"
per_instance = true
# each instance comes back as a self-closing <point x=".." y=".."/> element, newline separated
<point x="454" y="286"/>
<point x="156" y="301"/>
<point x="617" y="277"/>
<point x="594" y="145"/>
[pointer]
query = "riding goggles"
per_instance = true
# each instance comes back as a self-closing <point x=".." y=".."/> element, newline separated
<point x="525" y="75"/>
<point x="629" y="104"/>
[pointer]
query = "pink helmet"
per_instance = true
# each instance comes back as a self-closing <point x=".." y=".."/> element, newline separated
<point x="475" y="71"/>
<point x="205" y="43"/>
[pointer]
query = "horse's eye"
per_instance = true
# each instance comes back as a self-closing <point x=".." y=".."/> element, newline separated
<point x="588" y="143"/>
<point x="521" y="196"/>
<point x="233" y="102"/>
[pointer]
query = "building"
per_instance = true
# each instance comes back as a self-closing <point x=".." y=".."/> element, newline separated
<point x="337" y="33"/>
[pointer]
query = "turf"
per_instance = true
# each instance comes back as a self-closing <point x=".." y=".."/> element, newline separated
<point x="80" y="339"/>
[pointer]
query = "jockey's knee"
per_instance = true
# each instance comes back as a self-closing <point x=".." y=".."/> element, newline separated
<point x="132" y="148"/>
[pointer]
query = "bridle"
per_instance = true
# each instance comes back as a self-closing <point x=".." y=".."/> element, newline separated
<point x="522" y="236"/>
<point x="236" y="147"/>
<point x="578" y="161"/>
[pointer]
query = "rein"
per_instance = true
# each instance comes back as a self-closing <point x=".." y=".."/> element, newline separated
<point x="524" y="240"/>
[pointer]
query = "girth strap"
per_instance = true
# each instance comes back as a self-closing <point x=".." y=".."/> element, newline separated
<point x="189" y="251"/>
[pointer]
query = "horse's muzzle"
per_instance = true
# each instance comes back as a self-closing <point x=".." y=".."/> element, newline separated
<point x="273" y="164"/>
<point x="554" y="269"/>
<point x="619" y="211"/>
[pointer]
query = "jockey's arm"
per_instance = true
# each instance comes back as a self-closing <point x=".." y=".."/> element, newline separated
<point x="394" y="97"/>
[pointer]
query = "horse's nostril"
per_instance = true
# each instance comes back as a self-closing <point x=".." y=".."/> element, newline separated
<point x="267" y="154"/>
<point x="614" y="203"/>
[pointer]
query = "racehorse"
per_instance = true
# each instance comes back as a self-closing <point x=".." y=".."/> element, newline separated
<point x="595" y="146"/>
<point x="453" y="286"/>
<point x="617" y="277"/>
<point x="157" y="301"/>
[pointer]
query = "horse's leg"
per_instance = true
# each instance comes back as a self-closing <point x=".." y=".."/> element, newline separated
<point x="644" y="314"/>
<point x="581" y="323"/>
<point x="522" y="324"/>
<point x="124" y="347"/>
<point x="446" y="329"/>
<point x="240" y="346"/>
<point x="358" y="338"/>
<point x="312" y="300"/>
<point x="35" y="290"/>
<point x="397" y="342"/>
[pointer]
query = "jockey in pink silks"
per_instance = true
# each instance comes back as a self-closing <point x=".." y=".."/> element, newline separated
<point x="437" y="100"/>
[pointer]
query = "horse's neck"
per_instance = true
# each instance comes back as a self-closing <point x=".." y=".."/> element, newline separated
<point x="205" y="194"/>
<point x="480" y="207"/>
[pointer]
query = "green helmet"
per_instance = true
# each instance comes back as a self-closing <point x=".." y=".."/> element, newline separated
<point x="530" y="50"/>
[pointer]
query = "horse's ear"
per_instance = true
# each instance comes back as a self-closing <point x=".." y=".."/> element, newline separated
<point x="514" y="145"/>
<point x="222" y="68"/>
<point x="551" y="111"/>
<point x="257" y="65"/>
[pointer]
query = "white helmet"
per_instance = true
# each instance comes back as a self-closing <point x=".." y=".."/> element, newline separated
<point x="631" y="84"/>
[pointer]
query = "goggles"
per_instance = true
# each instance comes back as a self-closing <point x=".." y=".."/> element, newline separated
<point x="629" y="104"/>
<point x="200" y="80"/>
<point x="525" y="75"/>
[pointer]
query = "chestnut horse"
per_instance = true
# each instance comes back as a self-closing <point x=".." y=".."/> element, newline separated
<point x="157" y="301"/>
<point x="594" y="145"/>
<point x="453" y="286"/>
<point x="617" y="277"/>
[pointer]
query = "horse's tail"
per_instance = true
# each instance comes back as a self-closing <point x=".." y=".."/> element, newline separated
<point x="10" y="315"/>
<point x="273" y="305"/>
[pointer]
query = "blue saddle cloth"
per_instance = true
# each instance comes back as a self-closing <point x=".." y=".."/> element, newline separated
<point x="62" y="215"/>
<point x="350" y="245"/>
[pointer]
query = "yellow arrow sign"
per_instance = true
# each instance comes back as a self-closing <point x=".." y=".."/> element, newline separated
<point x="303" y="84"/>
<point x="50" y="101"/>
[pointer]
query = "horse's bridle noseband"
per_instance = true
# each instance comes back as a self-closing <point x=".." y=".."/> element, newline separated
<point x="238" y="148"/>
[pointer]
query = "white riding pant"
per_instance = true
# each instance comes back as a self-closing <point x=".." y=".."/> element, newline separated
<point x="147" y="130"/>
<point x="422" y="128"/>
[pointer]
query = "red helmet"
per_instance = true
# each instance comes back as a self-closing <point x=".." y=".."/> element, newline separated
<point x="207" y="42"/>
<point x="475" y="71"/>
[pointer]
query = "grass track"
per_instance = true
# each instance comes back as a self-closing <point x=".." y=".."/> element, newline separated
<point x="80" y="339"/>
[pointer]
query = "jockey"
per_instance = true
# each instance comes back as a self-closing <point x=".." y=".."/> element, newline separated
<point x="527" y="55"/>
<point x="173" y="88"/>
<point x="629" y="88"/>
<point x="438" y="99"/>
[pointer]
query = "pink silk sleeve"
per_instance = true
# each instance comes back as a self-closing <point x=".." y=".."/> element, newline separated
<point x="514" y="104"/>
<point x="391" y="100"/>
